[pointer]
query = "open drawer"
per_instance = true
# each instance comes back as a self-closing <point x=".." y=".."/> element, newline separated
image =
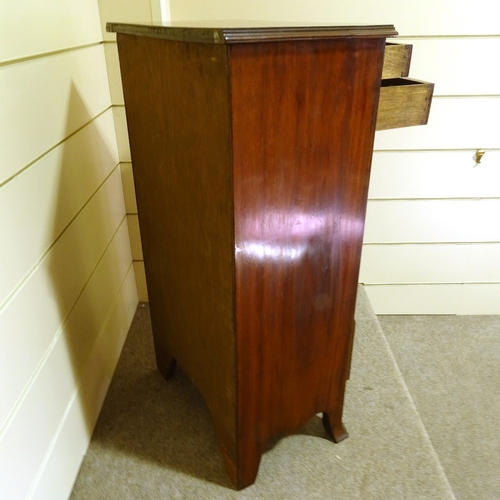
<point x="397" y="58"/>
<point x="403" y="103"/>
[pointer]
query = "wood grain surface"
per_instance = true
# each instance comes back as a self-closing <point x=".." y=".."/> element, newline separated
<point x="303" y="127"/>
<point x="244" y="31"/>
<point x="251" y="165"/>
<point x="176" y="97"/>
<point x="404" y="103"/>
<point x="397" y="59"/>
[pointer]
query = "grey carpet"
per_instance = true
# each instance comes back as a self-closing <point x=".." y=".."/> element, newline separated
<point x="154" y="439"/>
<point x="451" y="365"/>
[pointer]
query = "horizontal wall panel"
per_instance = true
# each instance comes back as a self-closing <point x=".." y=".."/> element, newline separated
<point x="435" y="299"/>
<point x="140" y="280"/>
<point x="451" y="263"/>
<point x="114" y="75"/>
<point x="426" y="17"/>
<point x="414" y="299"/>
<point x="413" y="263"/>
<point x="128" y="187"/>
<point x="34" y="27"/>
<point x="52" y="290"/>
<point x="62" y="465"/>
<point x="433" y="221"/>
<point x="454" y="123"/>
<point x="457" y="66"/>
<point x="94" y="304"/>
<point x="135" y="237"/>
<point x="434" y="174"/>
<point x="48" y="99"/>
<point x="122" y="133"/>
<point x="37" y="205"/>
<point x="480" y="299"/>
<point x="483" y="264"/>
<point x="56" y="381"/>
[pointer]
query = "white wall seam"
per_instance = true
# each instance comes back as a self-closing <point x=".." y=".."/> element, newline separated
<point x="464" y="96"/>
<point x="57" y="335"/>
<point x="49" y="150"/>
<point x="412" y="283"/>
<point x="436" y="198"/>
<point x="35" y="266"/>
<point x="402" y="243"/>
<point x="50" y="53"/>
<point x="429" y="150"/>
<point x="82" y="376"/>
<point x="402" y="38"/>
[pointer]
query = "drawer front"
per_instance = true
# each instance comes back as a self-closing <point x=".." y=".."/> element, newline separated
<point x="397" y="58"/>
<point x="403" y="103"/>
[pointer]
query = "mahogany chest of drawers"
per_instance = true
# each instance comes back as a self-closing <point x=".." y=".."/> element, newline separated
<point x="251" y="151"/>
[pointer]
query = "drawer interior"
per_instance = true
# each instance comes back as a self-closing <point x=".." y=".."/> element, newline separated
<point x="403" y="103"/>
<point x="399" y="82"/>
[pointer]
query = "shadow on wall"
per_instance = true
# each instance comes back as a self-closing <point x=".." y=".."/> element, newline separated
<point x="165" y="423"/>
<point x="88" y="264"/>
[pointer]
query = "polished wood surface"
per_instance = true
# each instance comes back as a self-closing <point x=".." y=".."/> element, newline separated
<point x="231" y="32"/>
<point x="251" y="164"/>
<point x="179" y="130"/>
<point x="303" y="129"/>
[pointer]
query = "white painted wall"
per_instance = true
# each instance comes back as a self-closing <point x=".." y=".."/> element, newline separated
<point x="67" y="290"/>
<point x="132" y="11"/>
<point x="432" y="242"/>
<point x="424" y="180"/>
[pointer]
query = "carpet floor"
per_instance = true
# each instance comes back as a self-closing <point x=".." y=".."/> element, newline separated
<point x="154" y="439"/>
<point x="451" y="366"/>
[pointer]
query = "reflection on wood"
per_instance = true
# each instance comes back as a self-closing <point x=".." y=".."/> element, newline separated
<point x="251" y="153"/>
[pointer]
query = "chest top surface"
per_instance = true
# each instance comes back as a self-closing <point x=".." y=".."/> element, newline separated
<point x="229" y="32"/>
